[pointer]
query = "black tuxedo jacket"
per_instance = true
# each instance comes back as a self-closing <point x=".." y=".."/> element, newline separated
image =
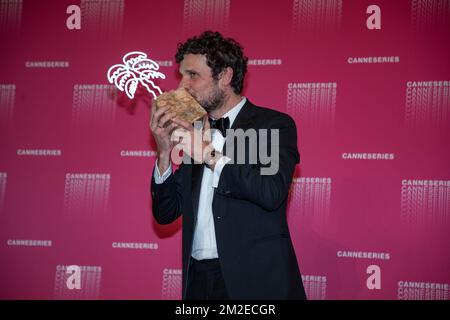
<point x="253" y="241"/>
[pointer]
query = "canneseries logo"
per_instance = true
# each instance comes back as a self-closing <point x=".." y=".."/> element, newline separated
<point x="47" y="64"/>
<point x="200" y="13"/>
<point x="427" y="104"/>
<point x="425" y="202"/>
<point x="315" y="286"/>
<point x="93" y="103"/>
<point x="74" y="282"/>
<point x="414" y="290"/>
<point x="86" y="194"/>
<point x="39" y="152"/>
<point x="313" y="102"/>
<point x="28" y="243"/>
<point x="310" y="197"/>
<point x="426" y="14"/>
<point x="265" y="62"/>
<point x="373" y="271"/>
<point x="135" y="245"/>
<point x="363" y="255"/>
<point x="367" y="156"/>
<point x="138" y="153"/>
<point x="373" y="60"/>
<point x="171" y="284"/>
<point x="316" y="16"/>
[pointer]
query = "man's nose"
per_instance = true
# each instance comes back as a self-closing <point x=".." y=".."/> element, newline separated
<point x="184" y="83"/>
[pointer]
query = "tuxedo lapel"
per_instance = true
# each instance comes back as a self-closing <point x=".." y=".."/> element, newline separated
<point x="244" y="120"/>
<point x="245" y="116"/>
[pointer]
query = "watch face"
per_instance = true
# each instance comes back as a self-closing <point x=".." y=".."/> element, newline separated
<point x="212" y="154"/>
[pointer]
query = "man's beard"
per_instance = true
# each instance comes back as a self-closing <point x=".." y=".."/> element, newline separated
<point x="215" y="100"/>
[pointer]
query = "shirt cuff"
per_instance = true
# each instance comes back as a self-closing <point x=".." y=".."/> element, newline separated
<point x="218" y="170"/>
<point x="159" y="179"/>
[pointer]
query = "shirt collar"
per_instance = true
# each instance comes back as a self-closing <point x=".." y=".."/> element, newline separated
<point x="232" y="114"/>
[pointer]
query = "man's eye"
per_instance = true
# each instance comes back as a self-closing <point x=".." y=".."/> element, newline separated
<point x="192" y="74"/>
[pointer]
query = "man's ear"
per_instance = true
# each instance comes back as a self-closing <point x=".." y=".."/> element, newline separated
<point x="226" y="76"/>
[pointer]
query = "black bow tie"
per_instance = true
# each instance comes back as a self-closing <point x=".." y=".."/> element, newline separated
<point x="221" y="124"/>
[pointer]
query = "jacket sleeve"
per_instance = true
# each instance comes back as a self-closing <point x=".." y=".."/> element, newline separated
<point x="245" y="181"/>
<point x="166" y="198"/>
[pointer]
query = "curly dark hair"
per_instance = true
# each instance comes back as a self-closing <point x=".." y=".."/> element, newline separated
<point x="220" y="53"/>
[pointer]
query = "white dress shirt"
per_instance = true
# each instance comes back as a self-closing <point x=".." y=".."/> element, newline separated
<point x="204" y="245"/>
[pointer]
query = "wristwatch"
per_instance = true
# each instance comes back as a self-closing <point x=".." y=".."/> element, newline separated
<point x="210" y="158"/>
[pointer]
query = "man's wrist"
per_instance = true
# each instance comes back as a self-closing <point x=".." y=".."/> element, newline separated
<point x="211" y="157"/>
<point x="163" y="161"/>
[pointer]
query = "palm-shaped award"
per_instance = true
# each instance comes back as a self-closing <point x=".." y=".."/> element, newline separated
<point x="137" y="69"/>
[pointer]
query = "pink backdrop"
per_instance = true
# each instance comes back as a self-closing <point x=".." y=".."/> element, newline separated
<point x="372" y="109"/>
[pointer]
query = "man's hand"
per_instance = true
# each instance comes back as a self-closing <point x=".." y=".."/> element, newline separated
<point x="162" y="127"/>
<point x="195" y="142"/>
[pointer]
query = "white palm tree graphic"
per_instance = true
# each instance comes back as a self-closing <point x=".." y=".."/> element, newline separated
<point x="137" y="68"/>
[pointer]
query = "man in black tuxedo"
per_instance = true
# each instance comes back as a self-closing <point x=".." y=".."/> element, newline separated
<point x="236" y="241"/>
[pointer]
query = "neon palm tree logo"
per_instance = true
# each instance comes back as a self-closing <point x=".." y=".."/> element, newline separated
<point x="136" y="68"/>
